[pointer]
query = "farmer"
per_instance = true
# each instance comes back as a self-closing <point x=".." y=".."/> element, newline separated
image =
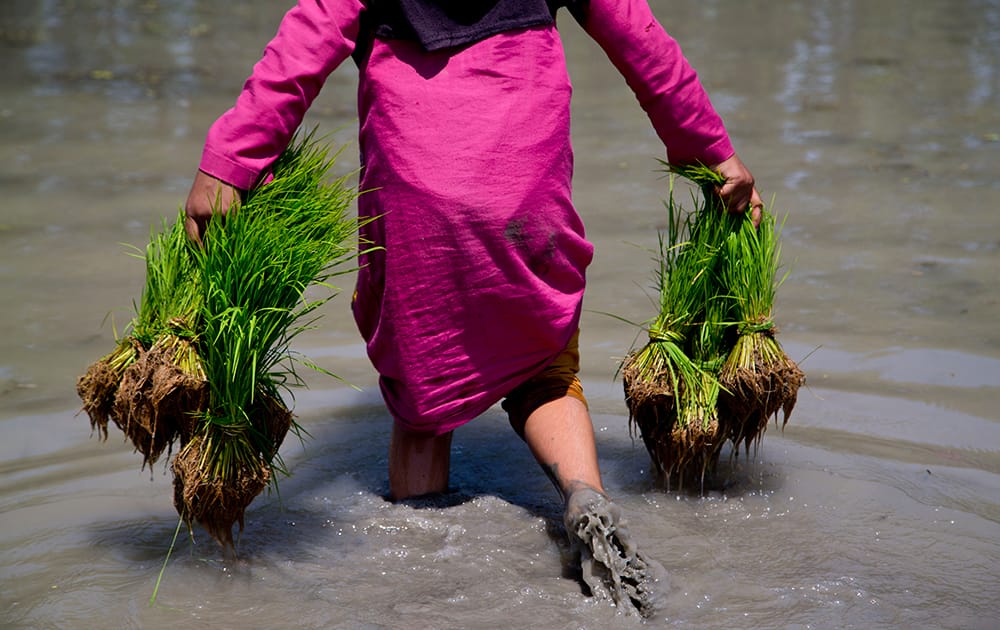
<point x="475" y="296"/>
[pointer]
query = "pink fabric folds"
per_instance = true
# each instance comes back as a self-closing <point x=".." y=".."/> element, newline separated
<point x="480" y="283"/>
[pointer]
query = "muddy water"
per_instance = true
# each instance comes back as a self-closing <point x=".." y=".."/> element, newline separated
<point x="874" y="124"/>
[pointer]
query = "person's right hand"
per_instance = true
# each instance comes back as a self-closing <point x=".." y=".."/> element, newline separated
<point x="738" y="192"/>
<point x="208" y="195"/>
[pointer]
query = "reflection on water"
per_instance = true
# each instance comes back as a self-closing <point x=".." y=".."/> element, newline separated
<point x="875" y="125"/>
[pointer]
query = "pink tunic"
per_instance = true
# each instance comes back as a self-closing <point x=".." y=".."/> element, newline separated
<point x="467" y="160"/>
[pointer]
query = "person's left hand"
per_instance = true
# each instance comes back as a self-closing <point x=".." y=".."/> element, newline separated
<point x="738" y="192"/>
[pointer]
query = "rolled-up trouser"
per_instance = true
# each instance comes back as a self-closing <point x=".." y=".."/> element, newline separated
<point x="556" y="381"/>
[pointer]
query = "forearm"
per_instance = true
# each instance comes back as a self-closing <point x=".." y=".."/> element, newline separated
<point x="313" y="39"/>
<point x="665" y="84"/>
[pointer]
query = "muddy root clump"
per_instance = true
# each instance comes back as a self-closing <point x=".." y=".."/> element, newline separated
<point x="273" y="419"/>
<point x="157" y="402"/>
<point x="213" y="502"/>
<point x="98" y="385"/>
<point x="218" y="501"/>
<point x="679" y="453"/>
<point x="750" y="398"/>
<point x="652" y="408"/>
<point x="96" y="388"/>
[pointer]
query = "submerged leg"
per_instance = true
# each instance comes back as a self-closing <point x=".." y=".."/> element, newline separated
<point x="418" y="463"/>
<point x="561" y="437"/>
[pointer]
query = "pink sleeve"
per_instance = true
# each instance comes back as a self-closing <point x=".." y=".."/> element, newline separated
<point x="666" y="86"/>
<point x="313" y="39"/>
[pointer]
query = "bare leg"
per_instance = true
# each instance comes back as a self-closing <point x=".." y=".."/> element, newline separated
<point x="561" y="437"/>
<point x="418" y="463"/>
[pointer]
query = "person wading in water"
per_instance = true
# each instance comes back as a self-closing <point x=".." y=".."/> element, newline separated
<point x="473" y="295"/>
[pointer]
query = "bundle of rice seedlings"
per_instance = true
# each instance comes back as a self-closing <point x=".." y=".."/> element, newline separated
<point x="758" y="377"/>
<point x="254" y="268"/>
<point x="669" y="394"/>
<point x="207" y="356"/>
<point x="712" y="370"/>
<point x="153" y="378"/>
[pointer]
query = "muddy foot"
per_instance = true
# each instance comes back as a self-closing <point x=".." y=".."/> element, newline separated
<point x="612" y="567"/>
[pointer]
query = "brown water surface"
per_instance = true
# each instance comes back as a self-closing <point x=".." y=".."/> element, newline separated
<point x="875" y="125"/>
